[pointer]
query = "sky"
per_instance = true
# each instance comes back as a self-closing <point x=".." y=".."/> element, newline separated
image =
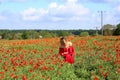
<point x="58" y="14"/>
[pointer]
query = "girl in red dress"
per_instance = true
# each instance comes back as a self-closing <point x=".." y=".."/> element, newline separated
<point x="66" y="50"/>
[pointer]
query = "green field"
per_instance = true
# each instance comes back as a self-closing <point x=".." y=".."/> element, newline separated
<point x="96" y="58"/>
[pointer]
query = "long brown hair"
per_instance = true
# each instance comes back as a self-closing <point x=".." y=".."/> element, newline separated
<point x="63" y="41"/>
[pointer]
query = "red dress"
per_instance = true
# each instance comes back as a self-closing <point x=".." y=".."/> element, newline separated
<point x="69" y="57"/>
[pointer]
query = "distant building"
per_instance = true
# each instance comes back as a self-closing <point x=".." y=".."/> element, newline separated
<point x="0" y="37"/>
<point x="40" y="36"/>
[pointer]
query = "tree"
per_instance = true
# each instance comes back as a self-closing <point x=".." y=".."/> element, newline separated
<point x="63" y="33"/>
<point x="30" y="34"/>
<point x="117" y="31"/>
<point x="46" y="34"/>
<point x="6" y="34"/>
<point x="33" y="34"/>
<point x="26" y="35"/>
<point x="18" y="36"/>
<point x="108" y="29"/>
<point x="84" y="34"/>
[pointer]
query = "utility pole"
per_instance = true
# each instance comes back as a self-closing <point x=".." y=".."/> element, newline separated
<point x="101" y="14"/>
<point x="102" y="21"/>
<point x="96" y="30"/>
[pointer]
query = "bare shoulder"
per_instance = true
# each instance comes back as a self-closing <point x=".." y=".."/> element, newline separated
<point x="70" y="43"/>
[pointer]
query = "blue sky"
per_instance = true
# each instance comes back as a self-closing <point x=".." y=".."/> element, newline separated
<point x="57" y="14"/>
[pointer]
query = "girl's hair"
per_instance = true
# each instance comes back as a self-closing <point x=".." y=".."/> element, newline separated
<point x="62" y="38"/>
<point x="62" y="41"/>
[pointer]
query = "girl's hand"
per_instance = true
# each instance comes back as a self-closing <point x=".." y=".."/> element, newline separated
<point x="64" y="53"/>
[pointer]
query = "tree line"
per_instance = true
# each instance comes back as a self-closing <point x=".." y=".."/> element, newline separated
<point x="108" y="30"/>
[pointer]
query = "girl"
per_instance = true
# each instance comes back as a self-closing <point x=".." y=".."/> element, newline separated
<point x="66" y="50"/>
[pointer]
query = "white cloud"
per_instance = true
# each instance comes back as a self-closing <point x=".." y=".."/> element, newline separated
<point x="100" y="1"/>
<point x="72" y="1"/>
<point x="69" y="15"/>
<point x="57" y="16"/>
<point x="118" y="8"/>
<point x="13" y="0"/>
<point x="53" y="5"/>
<point x="117" y="12"/>
<point x="2" y="18"/>
<point x="69" y="10"/>
<point x="33" y="14"/>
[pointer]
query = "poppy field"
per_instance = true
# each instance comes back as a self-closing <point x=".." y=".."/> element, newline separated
<point x="96" y="58"/>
